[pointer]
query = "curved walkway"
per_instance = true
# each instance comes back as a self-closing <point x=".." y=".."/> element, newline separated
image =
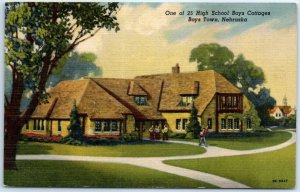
<point x="157" y="162"/>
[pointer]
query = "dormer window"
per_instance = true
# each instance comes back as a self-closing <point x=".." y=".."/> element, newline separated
<point x="140" y="100"/>
<point x="186" y="100"/>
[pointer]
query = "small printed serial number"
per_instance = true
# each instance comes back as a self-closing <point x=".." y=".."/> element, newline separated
<point x="279" y="180"/>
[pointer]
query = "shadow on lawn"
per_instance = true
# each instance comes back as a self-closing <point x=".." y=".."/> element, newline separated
<point x="33" y="148"/>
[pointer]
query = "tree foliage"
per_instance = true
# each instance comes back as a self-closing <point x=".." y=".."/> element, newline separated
<point x="75" y="130"/>
<point x="76" y="66"/>
<point x="243" y="73"/>
<point x="37" y="36"/>
<point x="194" y="124"/>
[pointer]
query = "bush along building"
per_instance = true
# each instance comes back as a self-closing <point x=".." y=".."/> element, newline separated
<point x="112" y="107"/>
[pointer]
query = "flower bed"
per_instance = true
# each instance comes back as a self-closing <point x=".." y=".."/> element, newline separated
<point x="40" y="138"/>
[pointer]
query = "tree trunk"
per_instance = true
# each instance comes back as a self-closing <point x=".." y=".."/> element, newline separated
<point x="12" y="132"/>
<point x="10" y="149"/>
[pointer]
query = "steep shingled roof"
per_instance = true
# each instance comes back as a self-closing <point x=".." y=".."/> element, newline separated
<point x="209" y="82"/>
<point x="91" y="100"/>
<point x="284" y="109"/>
<point x="65" y="93"/>
<point x="111" y="98"/>
<point x="118" y="88"/>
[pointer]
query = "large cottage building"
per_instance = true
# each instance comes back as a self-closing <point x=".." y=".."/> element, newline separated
<point x="109" y="106"/>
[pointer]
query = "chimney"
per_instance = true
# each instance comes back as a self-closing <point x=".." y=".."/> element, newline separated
<point x="176" y="69"/>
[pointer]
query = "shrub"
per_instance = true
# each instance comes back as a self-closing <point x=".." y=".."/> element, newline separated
<point x="189" y="135"/>
<point x="257" y="133"/>
<point x="130" y="137"/>
<point x="180" y="135"/>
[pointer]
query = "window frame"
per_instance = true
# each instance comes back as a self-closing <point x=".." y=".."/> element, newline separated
<point x="98" y="126"/>
<point x="223" y="123"/>
<point x="59" y="128"/>
<point x="236" y="123"/>
<point x="140" y="100"/>
<point x="178" y="124"/>
<point x="184" y="124"/>
<point x="230" y="124"/>
<point x="106" y="124"/>
<point x="117" y="126"/>
<point x="209" y="123"/>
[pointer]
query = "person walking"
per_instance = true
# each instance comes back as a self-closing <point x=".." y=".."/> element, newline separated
<point x="156" y="132"/>
<point x="165" y="132"/>
<point x="202" y="137"/>
<point x="151" y="131"/>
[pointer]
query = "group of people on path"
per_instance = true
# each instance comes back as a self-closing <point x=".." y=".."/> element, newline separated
<point x="155" y="132"/>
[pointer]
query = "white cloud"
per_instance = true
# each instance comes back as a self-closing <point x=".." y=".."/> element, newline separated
<point x="141" y="47"/>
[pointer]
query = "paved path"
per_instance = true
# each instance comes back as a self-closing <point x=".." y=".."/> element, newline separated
<point x="157" y="162"/>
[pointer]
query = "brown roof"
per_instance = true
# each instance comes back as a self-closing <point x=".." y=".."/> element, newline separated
<point x="284" y="109"/>
<point x="64" y="93"/>
<point x="118" y="88"/>
<point x="135" y="89"/>
<point x="110" y="98"/>
<point x="91" y="99"/>
<point x="202" y="84"/>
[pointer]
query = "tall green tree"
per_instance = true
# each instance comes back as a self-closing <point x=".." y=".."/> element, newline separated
<point x="75" y="129"/>
<point x="37" y="36"/>
<point x="194" y="124"/>
<point x="243" y="73"/>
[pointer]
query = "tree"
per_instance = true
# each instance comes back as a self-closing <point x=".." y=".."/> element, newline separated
<point x="37" y="36"/>
<point x="194" y="124"/>
<point x="212" y="56"/>
<point x="75" y="66"/>
<point x="243" y="73"/>
<point x="75" y="130"/>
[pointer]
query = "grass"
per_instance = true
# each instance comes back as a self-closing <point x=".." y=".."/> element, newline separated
<point x="247" y="143"/>
<point x="91" y="174"/>
<point x="276" y="169"/>
<point x="138" y="150"/>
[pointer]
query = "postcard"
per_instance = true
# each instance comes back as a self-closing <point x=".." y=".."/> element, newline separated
<point x="150" y="95"/>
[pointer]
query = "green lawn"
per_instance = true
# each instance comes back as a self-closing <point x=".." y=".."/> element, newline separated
<point x="246" y="143"/>
<point x="90" y="174"/>
<point x="138" y="150"/>
<point x="258" y="170"/>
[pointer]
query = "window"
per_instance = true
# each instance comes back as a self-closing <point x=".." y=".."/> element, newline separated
<point x="178" y="124"/>
<point x="34" y="124"/>
<point x="59" y="126"/>
<point x="106" y="127"/>
<point x="38" y="124"/>
<point x="234" y="101"/>
<point x="114" y="126"/>
<point x="186" y="100"/>
<point x="229" y="102"/>
<point x="140" y="100"/>
<point x="236" y="124"/>
<point x="27" y="125"/>
<point x="230" y="123"/>
<point x="184" y="124"/>
<point x="98" y="126"/>
<point x="248" y="122"/>
<point x="42" y="124"/>
<point x="223" y="123"/>
<point x="223" y="101"/>
<point x="209" y="123"/>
